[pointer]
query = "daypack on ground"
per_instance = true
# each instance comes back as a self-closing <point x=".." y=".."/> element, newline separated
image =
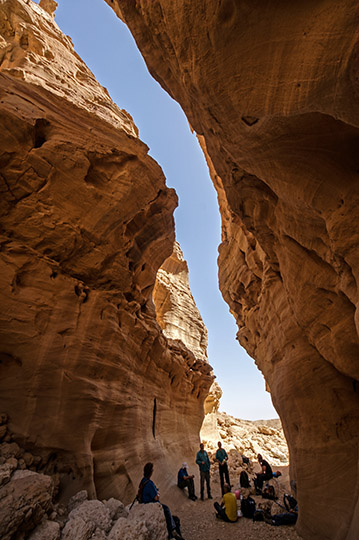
<point x="268" y="492"/>
<point x="248" y="507"/>
<point x="258" y="515"/>
<point x="244" y="480"/>
<point x="286" y="518"/>
<point x="289" y="502"/>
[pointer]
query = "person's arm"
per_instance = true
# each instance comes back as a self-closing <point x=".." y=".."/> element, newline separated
<point x="198" y="459"/>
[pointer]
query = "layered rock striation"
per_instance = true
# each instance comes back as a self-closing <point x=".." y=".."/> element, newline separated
<point x="87" y="378"/>
<point x="176" y="310"/>
<point x="272" y="91"/>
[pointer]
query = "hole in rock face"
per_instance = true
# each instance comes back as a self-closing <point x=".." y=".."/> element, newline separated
<point x="40" y="128"/>
<point x="154" y="418"/>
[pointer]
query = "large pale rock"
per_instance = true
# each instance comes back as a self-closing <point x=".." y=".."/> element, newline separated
<point x="48" y="530"/>
<point x="24" y="501"/>
<point x="128" y="530"/>
<point x="145" y="522"/>
<point x="271" y="90"/>
<point x="152" y="515"/>
<point x="87" y="377"/>
<point x="93" y="512"/>
<point x="176" y="311"/>
<point x="78" y="529"/>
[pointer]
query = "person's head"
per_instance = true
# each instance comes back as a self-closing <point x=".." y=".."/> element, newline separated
<point x="227" y="488"/>
<point x="148" y="470"/>
<point x="201" y="446"/>
<point x="219" y="444"/>
<point x="184" y="465"/>
<point x="259" y="457"/>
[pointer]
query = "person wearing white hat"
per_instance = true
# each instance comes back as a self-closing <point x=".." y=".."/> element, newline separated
<point x="186" y="480"/>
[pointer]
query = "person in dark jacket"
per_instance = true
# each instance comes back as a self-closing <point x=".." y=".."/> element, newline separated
<point x="265" y="474"/>
<point x="148" y="493"/>
<point x="222" y="458"/>
<point x="186" y="480"/>
<point x="204" y="465"/>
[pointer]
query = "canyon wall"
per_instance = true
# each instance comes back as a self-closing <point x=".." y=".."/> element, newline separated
<point x="271" y="89"/>
<point x="88" y="380"/>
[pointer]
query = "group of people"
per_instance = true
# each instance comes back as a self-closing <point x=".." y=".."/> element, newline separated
<point x="227" y="510"/>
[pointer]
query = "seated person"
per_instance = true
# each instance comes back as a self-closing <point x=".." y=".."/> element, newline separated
<point x="148" y="493"/>
<point x="227" y="510"/>
<point x="186" y="480"/>
<point x="265" y="474"/>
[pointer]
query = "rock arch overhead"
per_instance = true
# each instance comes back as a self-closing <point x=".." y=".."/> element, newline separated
<point x="272" y="91"/>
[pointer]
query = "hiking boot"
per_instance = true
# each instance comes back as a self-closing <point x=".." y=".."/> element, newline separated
<point x="210" y="497"/>
<point x="268" y="519"/>
<point x="176" y="535"/>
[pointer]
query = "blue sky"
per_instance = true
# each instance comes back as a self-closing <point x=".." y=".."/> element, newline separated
<point x="108" y="49"/>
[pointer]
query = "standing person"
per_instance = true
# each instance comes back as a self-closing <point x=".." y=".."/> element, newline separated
<point x="148" y="493"/>
<point x="265" y="474"/>
<point x="204" y="465"/>
<point x="227" y="510"/>
<point x="186" y="480"/>
<point x="222" y="458"/>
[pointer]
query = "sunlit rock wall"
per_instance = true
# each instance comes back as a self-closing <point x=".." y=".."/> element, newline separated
<point x="271" y="88"/>
<point x="87" y="378"/>
<point x="176" y="310"/>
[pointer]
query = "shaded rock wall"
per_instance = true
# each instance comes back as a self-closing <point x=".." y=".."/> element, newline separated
<point x="272" y="91"/>
<point x="86" y="221"/>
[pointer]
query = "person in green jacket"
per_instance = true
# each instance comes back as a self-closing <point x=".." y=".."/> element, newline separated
<point x="222" y="458"/>
<point x="204" y="465"/>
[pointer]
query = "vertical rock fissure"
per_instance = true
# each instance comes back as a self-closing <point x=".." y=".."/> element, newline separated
<point x="154" y="418"/>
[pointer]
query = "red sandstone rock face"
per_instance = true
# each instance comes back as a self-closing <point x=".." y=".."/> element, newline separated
<point x="272" y="91"/>
<point x="86" y="221"/>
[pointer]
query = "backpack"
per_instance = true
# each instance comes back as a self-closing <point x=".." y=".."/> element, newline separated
<point x="289" y="502"/>
<point x="244" y="480"/>
<point x="248" y="507"/>
<point x="258" y="515"/>
<point x="268" y="492"/>
<point x="140" y="490"/>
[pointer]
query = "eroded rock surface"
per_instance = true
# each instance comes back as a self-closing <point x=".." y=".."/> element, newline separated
<point x="272" y="91"/>
<point x="86" y="374"/>
<point x="176" y="311"/>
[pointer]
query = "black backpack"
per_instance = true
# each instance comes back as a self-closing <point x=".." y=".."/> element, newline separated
<point x="268" y="492"/>
<point x="140" y="490"/>
<point x="244" y="480"/>
<point x="289" y="502"/>
<point x="248" y="507"/>
<point x="258" y="515"/>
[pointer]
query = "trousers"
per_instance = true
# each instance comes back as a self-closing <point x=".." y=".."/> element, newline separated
<point x="189" y="484"/>
<point x="204" y="477"/>
<point x="223" y="472"/>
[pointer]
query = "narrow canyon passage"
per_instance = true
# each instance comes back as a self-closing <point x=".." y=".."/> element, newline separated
<point x="93" y="381"/>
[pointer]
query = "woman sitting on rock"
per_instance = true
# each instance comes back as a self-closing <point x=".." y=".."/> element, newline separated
<point x="148" y="493"/>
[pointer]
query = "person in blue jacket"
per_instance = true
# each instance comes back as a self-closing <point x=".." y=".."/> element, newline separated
<point x="204" y="465"/>
<point x="186" y="480"/>
<point x="148" y="493"/>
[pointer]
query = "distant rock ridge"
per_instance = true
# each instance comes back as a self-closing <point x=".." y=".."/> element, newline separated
<point x="246" y="437"/>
